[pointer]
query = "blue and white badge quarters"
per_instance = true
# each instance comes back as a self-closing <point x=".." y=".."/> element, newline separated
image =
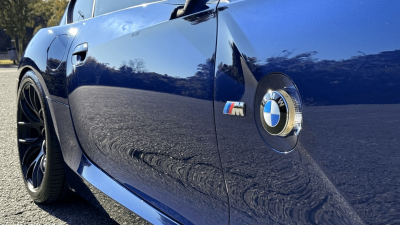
<point x="271" y="113"/>
<point x="281" y="113"/>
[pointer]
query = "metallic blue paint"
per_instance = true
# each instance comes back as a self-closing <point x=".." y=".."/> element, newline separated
<point x="136" y="119"/>
<point x="145" y="116"/>
<point x="94" y="184"/>
<point x="95" y="177"/>
<point x="344" y="58"/>
<point x="36" y="54"/>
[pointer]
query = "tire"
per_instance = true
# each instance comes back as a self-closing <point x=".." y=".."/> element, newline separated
<point x="41" y="160"/>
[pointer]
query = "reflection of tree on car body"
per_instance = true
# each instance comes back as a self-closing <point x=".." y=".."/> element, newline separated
<point x="143" y="103"/>
<point x="133" y="74"/>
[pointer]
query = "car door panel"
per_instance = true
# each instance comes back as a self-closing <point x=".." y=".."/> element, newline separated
<point x="142" y="106"/>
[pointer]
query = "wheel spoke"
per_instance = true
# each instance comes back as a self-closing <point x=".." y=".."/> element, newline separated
<point x="22" y="123"/>
<point x="28" y="154"/>
<point x="33" y="170"/>
<point x="32" y="124"/>
<point x="32" y="98"/>
<point x="37" y="173"/>
<point x="27" y="140"/>
<point x="29" y="99"/>
<point x="41" y="118"/>
<point x="27" y="111"/>
<point x="35" y="101"/>
<point x="33" y="142"/>
<point x="28" y="174"/>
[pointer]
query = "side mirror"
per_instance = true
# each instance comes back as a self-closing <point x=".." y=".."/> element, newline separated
<point x="190" y="7"/>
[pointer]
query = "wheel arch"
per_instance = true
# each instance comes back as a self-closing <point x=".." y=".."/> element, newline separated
<point x="26" y="65"/>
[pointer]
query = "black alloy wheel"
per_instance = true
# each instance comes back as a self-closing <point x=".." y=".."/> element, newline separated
<point x="40" y="155"/>
<point x="31" y="136"/>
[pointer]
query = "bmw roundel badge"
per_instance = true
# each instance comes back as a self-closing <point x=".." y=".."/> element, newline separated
<point x="280" y="113"/>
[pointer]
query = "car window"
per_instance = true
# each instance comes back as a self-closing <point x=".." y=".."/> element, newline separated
<point x="106" y="6"/>
<point x="82" y="10"/>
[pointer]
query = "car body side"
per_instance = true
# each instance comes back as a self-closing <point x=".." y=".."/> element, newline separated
<point x="344" y="58"/>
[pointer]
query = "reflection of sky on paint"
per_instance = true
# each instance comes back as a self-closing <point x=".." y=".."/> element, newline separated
<point x="116" y="24"/>
<point x="160" y="56"/>
<point x="335" y="29"/>
<point x="157" y="45"/>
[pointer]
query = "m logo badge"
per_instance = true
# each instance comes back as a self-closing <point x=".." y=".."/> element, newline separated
<point x="234" y="108"/>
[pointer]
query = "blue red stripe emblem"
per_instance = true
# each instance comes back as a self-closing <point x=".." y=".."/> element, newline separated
<point x="234" y="108"/>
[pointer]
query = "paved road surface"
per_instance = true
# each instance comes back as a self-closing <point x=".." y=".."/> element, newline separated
<point x="16" y="207"/>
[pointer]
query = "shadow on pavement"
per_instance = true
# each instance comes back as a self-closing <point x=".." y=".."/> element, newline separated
<point x="9" y="66"/>
<point x="76" y="210"/>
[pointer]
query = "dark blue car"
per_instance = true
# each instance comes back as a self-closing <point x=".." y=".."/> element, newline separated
<point x="217" y="112"/>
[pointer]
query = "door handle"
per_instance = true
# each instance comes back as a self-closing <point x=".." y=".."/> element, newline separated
<point x="79" y="54"/>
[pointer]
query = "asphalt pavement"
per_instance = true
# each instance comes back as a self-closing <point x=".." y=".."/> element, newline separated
<point x="16" y="206"/>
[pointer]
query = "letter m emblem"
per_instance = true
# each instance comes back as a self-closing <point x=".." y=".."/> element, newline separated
<point x="234" y="108"/>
